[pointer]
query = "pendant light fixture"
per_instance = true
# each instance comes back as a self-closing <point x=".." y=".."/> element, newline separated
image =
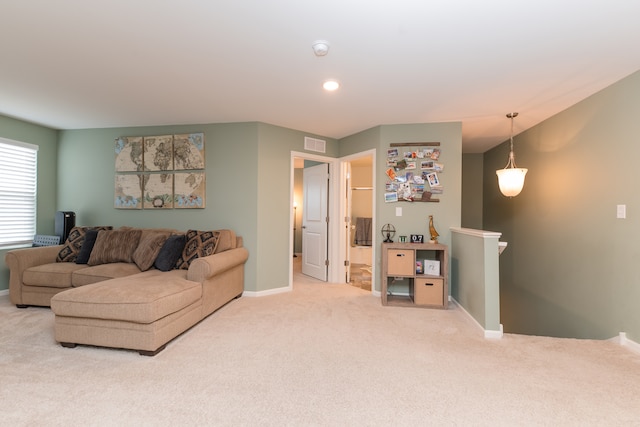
<point x="511" y="178"/>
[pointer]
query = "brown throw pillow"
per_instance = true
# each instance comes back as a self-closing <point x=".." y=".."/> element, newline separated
<point x="148" y="249"/>
<point x="115" y="246"/>
<point x="199" y="244"/>
<point x="73" y="244"/>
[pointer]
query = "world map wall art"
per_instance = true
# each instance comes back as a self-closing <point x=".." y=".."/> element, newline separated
<point x="160" y="172"/>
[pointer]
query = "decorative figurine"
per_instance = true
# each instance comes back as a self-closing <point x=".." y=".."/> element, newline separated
<point x="388" y="231"/>
<point x="432" y="231"/>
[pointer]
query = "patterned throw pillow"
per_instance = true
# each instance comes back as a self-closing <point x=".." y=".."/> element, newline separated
<point x="73" y="244"/>
<point x="199" y="244"/>
<point x="115" y="246"/>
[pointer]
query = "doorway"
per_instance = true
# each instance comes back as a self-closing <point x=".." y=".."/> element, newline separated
<point x="340" y="236"/>
<point x="312" y="237"/>
<point x="359" y="200"/>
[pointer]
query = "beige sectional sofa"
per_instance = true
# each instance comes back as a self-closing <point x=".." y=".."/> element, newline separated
<point x="130" y="293"/>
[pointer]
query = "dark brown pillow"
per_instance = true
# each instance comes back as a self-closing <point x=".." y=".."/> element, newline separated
<point x="199" y="244"/>
<point x="115" y="246"/>
<point x="148" y="249"/>
<point x="73" y="244"/>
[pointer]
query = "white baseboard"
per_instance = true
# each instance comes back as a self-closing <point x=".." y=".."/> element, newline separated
<point x="488" y="333"/>
<point x="626" y="342"/>
<point x="254" y="294"/>
<point x="4" y="292"/>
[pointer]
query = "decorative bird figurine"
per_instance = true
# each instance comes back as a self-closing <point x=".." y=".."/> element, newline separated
<point x="432" y="230"/>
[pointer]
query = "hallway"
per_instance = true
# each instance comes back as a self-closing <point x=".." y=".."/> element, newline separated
<point x="360" y="275"/>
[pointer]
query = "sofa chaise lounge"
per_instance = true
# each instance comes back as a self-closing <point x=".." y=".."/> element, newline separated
<point x="139" y="289"/>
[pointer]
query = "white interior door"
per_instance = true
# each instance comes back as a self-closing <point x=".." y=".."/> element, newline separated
<point x="315" y="191"/>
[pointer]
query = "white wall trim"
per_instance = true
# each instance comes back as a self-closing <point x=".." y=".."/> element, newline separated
<point x="477" y="233"/>
<point x="496" y="335"/>
<point x="4" y="292"/>
<point x="626" y="342"/>
<point x="488" y="333"/>
<point x="274" y="291"/>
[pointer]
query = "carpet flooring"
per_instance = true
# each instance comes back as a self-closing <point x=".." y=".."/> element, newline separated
<point x="321" y="355"/>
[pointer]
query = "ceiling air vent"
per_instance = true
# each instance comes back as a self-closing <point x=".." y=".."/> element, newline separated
<point x="313" y="144"/>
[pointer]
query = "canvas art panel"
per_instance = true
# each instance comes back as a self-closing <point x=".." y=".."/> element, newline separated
<point x="189" y="190"/>
<point x="128" y="152"/>
<point x="188" y="151"/>
<point x="158" y="191"/>
<point x="158" y="153"/>
<point x="128" y="191"/>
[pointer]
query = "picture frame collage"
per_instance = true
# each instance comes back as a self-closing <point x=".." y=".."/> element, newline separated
<point x="413" y="172"/>
<point x="160" y="172"/>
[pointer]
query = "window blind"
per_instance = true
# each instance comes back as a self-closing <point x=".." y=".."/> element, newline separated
<point x="18" y="192"/>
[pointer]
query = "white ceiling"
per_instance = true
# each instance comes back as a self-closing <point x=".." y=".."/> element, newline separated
<point x="73" y="64"/>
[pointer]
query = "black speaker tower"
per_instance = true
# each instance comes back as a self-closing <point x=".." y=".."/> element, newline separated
<point x="65" y="221"/>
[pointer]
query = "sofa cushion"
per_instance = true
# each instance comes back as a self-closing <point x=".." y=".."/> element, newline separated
<point x="170" y="252"/>
<point x="73" y="244"/>
<point x="99" y="273"/>
<point x="54" y="275"/>
<point x="148" y="249"/>
<point x="133" y="299"/>
<point x="87" y="246"/>
<point x="199" y="244"/>
<point x="115" y="246"/>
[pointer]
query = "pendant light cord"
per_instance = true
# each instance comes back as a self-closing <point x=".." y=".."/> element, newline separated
<point x="512" y="157"/>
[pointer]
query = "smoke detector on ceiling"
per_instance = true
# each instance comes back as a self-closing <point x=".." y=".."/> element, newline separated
<point x="320" y="47"/>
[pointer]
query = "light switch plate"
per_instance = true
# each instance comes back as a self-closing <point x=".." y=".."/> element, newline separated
<point x="398" y="211"/>
<point x="621" y="211"/>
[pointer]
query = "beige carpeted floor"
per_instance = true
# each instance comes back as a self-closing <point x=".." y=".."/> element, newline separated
<point x="322" y="355"/>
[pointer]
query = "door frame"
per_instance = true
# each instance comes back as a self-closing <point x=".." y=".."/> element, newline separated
<point x="337" y="212"/>
<point x="333" y="249"/>
<point x="343" y="233"/>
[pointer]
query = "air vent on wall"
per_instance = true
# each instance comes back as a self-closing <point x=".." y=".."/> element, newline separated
<point x="313" y="144"/>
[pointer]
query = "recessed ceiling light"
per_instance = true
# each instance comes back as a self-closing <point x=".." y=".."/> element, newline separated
<point x="331" y="85"/>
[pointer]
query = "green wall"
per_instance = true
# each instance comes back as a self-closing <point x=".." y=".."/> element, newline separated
<point x="472" y="190"/>
<point x="248" y="170"/>
<point x="274" y="207"/>
<point x="570" y="269"/>
<point x="46" y="139"/>
<point x="475" y="283"/>
<point x="415" y="215"/>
